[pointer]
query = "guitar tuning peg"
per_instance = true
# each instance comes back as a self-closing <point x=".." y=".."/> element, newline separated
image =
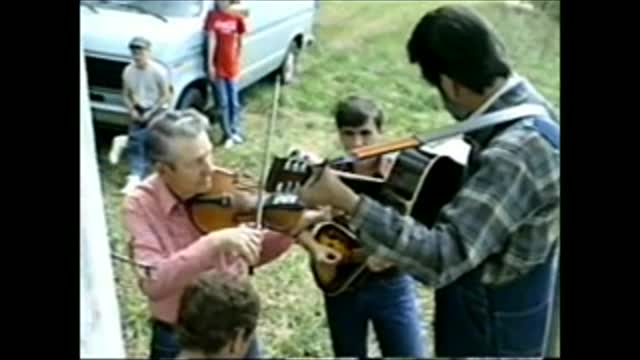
<point x="294" y="152"/>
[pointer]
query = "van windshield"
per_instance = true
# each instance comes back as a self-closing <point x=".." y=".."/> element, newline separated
<point x="183" y="8"/>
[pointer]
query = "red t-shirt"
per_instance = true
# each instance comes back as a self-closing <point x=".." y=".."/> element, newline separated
<point x="227" y="28"/>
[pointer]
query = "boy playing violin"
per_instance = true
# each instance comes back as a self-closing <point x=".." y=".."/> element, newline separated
<point x="387" y="297"/>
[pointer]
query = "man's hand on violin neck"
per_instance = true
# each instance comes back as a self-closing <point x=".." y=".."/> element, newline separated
<point x="242" y="241"/>
<point x="325" y="188"/>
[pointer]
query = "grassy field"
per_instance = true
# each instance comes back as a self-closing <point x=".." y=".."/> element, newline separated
<point x="360" y="50"/>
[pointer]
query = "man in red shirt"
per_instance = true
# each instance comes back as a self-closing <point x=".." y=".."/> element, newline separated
<point x="164" y="236"/>
<point x="225" y="29"/>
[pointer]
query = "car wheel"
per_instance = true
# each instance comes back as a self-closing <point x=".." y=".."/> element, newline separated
<point x="192" y="98"/>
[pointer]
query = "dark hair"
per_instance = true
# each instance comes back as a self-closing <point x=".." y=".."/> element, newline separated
<point x="356" y="111"/>
<point x="457" y="42"/>
<point x="214" y="309"/>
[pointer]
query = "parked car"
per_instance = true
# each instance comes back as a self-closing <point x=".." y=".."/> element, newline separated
<point x="278" y="32"/>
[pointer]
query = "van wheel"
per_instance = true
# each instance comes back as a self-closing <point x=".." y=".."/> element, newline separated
<point x="192" y="98"/>
<point x="289" y="67"/>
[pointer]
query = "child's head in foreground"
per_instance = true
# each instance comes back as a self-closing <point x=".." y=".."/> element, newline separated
<point x="217" y="317"/>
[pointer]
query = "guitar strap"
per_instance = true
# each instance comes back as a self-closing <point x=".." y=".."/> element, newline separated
<point x="486" y="120"/>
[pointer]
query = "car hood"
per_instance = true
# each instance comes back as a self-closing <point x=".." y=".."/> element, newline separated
<point x="109" y="31"/>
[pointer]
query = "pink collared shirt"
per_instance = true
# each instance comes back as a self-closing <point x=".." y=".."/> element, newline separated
<point x="163" y="235"/>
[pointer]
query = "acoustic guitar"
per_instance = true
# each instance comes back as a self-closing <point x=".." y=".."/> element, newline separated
<point x="418" y="177"/>
<point x="419" y="184"/>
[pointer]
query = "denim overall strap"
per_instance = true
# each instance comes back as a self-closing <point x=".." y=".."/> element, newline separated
<point x="551" y="132"/>
<point x="473" y="319"/>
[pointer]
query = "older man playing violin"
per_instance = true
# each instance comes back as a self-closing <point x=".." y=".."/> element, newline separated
<point x="164" y="236"/>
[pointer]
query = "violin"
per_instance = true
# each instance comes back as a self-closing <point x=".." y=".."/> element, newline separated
<point x="232" y="200"/>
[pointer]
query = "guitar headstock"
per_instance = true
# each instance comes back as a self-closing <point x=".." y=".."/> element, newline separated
<point x="287" y="174"/>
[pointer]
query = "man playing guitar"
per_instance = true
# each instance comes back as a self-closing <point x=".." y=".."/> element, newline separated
<point x="385" y="296"/>
<point x="492" y="249"/>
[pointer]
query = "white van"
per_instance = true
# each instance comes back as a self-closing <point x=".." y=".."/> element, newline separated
<point x="278" y="32"/>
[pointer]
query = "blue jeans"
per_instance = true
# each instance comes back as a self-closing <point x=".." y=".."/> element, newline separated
<point x="139" y="163"/>
<point x="164" y="344"/>
<point x="229" y="105"/>
<point x="391" y="305"/>
<point x="473" y="319"/>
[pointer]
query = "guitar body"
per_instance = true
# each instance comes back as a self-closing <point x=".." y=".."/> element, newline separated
<point x="421" y="183"/>
<point x="335" y="277"/>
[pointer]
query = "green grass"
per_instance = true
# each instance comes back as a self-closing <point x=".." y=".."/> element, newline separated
<point x="360" y="50"/>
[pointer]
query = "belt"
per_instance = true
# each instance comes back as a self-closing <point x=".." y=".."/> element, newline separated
<point x="385" y="274"/>
<point x="162" y="325"/>
<point x="370" y="277"/>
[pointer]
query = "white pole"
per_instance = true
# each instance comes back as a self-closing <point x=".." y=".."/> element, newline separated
<point x="100" y="333"/>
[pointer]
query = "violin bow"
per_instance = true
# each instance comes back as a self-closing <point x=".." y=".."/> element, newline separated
<point x="126" y="260"/>
<point x="267" y="147"/>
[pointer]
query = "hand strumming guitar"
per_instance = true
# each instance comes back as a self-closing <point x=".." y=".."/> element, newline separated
<point x="325" y="188"/>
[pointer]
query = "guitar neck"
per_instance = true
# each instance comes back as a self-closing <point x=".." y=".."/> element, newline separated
<point x="358" y="177"/>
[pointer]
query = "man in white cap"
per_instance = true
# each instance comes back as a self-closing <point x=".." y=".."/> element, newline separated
<point x="146" y="89"/>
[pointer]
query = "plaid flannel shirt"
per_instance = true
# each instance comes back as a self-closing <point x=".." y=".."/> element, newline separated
<point x="505" y="218"/>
